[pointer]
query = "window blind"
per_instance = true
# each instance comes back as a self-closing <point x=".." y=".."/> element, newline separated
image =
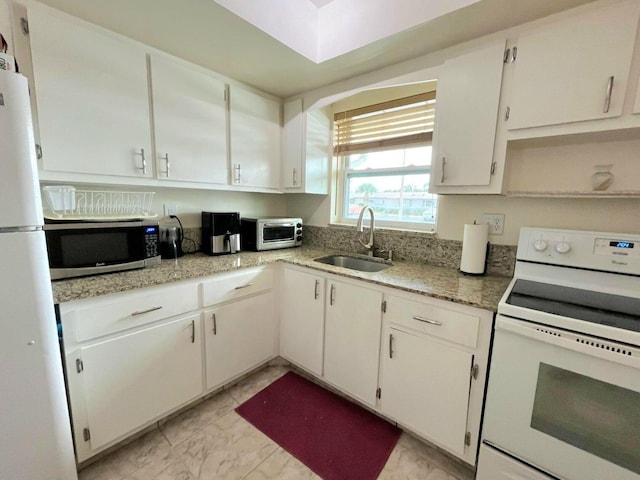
<point x="399" y="122"/>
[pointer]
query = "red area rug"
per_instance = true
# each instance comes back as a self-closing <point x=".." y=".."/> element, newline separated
<point x="335" y="438"/>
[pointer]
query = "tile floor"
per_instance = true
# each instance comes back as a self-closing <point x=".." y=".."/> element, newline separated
<point x="211" y="442"/>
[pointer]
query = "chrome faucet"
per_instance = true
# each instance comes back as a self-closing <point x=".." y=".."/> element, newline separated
<point x="372" y="226"/>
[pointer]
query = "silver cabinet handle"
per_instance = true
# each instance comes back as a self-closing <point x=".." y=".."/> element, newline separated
<point x="243" y="286"/>
<point x="141" y="312"/>
<point x="215" y="324"/>
<point x="444" y="163"/>
<point x="165" y="157"/>
<point x="193" y="331"/>
<point x="427" y="320"/>
<point x="295" y="180"/>
<point x="391" y="345"/>
<point x="332" y="294"/>
<point x="144" y="161"/>
<point x="236" y="170"/>
<point x="316" y="292"/>
<point x="607" y="98"/>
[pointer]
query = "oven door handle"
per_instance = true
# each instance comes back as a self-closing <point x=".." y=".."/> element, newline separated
<point x="269" y="225"/>
<point x="585" y="344"/>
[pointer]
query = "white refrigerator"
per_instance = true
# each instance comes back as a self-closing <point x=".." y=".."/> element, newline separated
<point x="35" y="433"/>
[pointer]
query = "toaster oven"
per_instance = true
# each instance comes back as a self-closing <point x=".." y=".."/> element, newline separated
<point x="270" y="233"/>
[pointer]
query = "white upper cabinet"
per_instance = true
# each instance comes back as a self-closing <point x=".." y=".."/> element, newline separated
<point x="92" y="97"/>
<point x="575" y="69"/>
<point x="189" y="113"/>
<point x="255" y="139"/>
<point x="467" y="99"/>
<point x="306" y="144"/>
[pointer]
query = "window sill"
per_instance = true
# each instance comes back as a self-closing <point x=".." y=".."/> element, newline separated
<point x="413" y="232"/>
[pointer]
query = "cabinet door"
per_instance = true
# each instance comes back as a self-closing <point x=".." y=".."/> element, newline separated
<point x="292" y="145"/>
<point x="238" y="337"/>
<point x="575" y="69"/>
<point x="466" y="116"/>
<point x="135" y="378"/>
<point x="318" y="150"/>
<point x="92" y="97"/>
<point x="189" y="112"/>
<point x="302" y="326"/>
<point x="255" y="139"/>
<point x="352" y="339"/>
<point x="425" y="386"/>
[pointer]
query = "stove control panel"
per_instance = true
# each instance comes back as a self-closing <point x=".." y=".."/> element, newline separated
<point x="617" y="246"/>
<point x="614" y="252"/>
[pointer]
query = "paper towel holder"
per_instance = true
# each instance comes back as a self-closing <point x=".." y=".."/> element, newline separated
<point x="475" y="249"/>
<point x="486" y="262"/>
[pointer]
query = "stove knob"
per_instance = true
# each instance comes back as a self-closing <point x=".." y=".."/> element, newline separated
<point x="563" y="247"/>
<point x="540" y="245"/>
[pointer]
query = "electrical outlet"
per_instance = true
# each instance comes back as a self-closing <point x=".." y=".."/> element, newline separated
<point x="170" y="209"/>
<point x="495" y="222"/>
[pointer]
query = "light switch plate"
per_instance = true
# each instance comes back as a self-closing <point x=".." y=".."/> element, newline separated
<point x="495" y="222"/>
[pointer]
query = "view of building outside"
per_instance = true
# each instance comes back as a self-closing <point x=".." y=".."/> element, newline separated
<point x="394" y="183"/>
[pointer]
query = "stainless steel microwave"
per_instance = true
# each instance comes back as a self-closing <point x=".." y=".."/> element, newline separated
<point x="270" y="233"/>
<point x="77" y="249"/>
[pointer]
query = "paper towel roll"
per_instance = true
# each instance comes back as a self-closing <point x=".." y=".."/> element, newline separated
<point x="474" y="248"/>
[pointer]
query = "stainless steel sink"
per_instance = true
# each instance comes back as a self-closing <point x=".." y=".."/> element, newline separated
<point x="360" y="264"/>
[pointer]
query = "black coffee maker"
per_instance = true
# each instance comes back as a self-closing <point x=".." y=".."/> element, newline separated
<point x="220" y="232"/>
<point x="171" y="237"/>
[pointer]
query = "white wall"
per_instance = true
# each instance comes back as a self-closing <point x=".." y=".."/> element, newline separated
<point x="605" y="214"/>
<point x="191" y="202"/>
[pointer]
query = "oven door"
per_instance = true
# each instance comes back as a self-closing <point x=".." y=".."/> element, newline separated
<point x="566" y="403"/>
<point x="277" y="235"/>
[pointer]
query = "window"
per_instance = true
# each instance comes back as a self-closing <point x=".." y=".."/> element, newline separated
<point x="384" y="155"/>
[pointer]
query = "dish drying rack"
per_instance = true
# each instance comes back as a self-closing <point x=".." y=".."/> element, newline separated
<point x="69" y="203"/>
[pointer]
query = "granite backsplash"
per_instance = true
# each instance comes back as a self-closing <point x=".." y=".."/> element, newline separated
<point x="408" y="246"/>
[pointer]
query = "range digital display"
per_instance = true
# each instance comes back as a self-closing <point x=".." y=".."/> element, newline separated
<point x="618" y="244"/>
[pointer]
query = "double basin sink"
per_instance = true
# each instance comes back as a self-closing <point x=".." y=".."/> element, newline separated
<point x="353" y="263"/>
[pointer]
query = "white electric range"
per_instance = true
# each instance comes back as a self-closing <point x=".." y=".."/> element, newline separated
<point x="563" y="399"/>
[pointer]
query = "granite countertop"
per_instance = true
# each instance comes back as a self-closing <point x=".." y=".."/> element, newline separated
<point x="437" y="282"/>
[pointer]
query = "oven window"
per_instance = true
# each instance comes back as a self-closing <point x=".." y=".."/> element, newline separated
<point x="597" y="417"/>
<point x="88" y="249"/>
<point x="274" y="234"/>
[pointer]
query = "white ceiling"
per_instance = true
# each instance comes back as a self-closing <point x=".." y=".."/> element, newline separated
<point x="205" y="33"/>
<point x="320" y="3"/>
<point x="326" y="32"/>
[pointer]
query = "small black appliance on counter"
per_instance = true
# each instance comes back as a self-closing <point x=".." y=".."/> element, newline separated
<point x="171" y="238"/>
<point x="220" y="232"/>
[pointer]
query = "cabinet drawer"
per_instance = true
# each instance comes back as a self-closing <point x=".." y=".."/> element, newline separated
<point x="449" y="324"/>
<point x="222" y="288"/>
<point x="122" y="311"/>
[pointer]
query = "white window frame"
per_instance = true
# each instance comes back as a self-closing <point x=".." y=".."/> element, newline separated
<point x="343" y="179"/>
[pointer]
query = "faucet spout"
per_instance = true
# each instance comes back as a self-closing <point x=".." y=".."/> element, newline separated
<point x="372" y="226"/>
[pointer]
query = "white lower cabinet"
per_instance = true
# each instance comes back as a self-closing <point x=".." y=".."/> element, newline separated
<point x="433" y="364"/>
<point x="238" y="337"/>
<point x="352" y="339"/>
<point x="302" y="319"/>
<point x="425" y="385"/>
<point x="131" y="358"/>
<point x="137" y="377"/>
